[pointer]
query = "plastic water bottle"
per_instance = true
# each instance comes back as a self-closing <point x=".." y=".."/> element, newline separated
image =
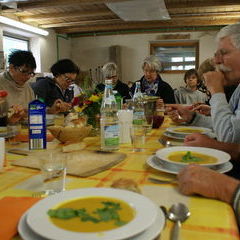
<point x="109" y="121"/>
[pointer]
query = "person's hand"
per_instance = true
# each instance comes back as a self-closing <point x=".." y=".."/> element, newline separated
<point x="195" y="179"/>
<point x="214" y="82"/>
<point x="16" y="113"/>
<point x="159" y="104"/>
<point x="203" y="109"/>
<point x="199" y="140"/>
<point x="179" y="113"/>
<point x="59" y="106"/>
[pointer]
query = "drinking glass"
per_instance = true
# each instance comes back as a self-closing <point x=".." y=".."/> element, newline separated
<point x="53" y="171"/>
<point x="138" y="136"/>
<point x="158" y="118"/>
<point x="13" y="131"/>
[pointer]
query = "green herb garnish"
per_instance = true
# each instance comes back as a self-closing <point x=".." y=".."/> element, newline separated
<point x="108" y="213"/>
<point x="189" y="158"/>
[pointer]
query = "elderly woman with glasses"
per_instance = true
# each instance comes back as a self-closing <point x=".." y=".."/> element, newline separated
<point x="152" y="83"/>
<point x="55" y="92"/>
<point x="110" y="71"/>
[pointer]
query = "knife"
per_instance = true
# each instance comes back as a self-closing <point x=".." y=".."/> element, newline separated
<point x="19" y="152"/>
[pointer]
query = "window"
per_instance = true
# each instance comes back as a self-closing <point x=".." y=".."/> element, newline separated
<point x="176" y="56"/>
<point x="11" y="43"/>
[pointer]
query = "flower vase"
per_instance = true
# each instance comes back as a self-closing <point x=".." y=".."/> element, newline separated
<point x="95" y="122"/>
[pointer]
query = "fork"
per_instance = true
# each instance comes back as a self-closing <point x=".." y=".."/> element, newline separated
<point x="161" y="181"/>
<point x="39" y="194"/>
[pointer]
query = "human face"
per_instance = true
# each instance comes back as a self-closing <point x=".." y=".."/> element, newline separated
<point x="227" y="59"/>
<point x="21" y="74"/>
<point x="114" y="79"/>
<point x="192" y="81"/>
<point x="65" y="80"/>
<point x="149" y="74"/>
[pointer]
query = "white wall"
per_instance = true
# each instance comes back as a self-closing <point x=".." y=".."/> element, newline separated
<point x="90" y="52"/>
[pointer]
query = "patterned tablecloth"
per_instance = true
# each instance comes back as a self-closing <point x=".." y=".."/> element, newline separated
<point x="210" y="219"/>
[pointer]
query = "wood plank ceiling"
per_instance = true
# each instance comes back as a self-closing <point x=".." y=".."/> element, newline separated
<point x="93" y="17"/>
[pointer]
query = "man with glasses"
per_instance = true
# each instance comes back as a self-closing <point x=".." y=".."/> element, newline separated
<point x="55" y="91"/>
<point x="224" y="117"/>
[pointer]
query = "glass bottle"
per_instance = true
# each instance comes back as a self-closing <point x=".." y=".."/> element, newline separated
<point x="119" y="99"/>
<point x="138" y="109"/>
<point x="138" y="96"/>
<point x="109" y="121"/>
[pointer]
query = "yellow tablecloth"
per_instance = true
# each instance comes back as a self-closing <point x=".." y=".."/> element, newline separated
<point x="210" y="219"/>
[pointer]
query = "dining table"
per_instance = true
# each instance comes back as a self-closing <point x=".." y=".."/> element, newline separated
<point x="209" y="219"/>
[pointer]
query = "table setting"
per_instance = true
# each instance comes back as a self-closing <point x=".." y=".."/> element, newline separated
<point x="22" y="186"/>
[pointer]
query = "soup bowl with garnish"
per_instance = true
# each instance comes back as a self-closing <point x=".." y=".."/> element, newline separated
<point x="179" y="157"/>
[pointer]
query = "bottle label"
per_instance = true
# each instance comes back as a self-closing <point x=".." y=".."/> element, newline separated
<point x="37" y="125"/>
<point x="111" y="135"/>
<point x="138" y="118"/>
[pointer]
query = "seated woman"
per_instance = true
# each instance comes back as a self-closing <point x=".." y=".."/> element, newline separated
<point x="110" y="71"/>
<point x="55" y="91"/>
<point x="152" y="83"/>
<point x="190" y="94"/>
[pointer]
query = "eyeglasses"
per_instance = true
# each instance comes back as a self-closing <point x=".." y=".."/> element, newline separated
<point x="25" y="72"/>
<point x="149" y="71"/>
<point x="111" y="77"/>
<point x="68" y="79"/>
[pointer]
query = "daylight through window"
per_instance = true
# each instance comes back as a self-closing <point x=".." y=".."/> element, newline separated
<point x="13" y="43"/>
<point x="176" y="56"/>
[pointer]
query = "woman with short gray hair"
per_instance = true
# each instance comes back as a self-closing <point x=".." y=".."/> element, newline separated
<point x="110" y="71"/>
<point x="152" y="83"/>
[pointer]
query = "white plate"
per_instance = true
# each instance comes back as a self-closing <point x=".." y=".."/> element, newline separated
<point x="25" y="232"/>
<point x="220" y="155"/>
<point x="171" y="135"/>
<point x="40" y="223"/>
<point x="151" y="233"/>
<point x="174" y="130"/>
<point x="154" y="162"/>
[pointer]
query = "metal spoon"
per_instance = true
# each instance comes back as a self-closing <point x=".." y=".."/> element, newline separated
<point x="178" y="213"/>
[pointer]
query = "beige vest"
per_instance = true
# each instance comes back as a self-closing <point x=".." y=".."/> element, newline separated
<point x="16" y="94"/>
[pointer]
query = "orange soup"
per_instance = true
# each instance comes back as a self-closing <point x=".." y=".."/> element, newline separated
<point x="205" y="159"/>
<point x="91" y="204"/>
<point x="188" y="130"/>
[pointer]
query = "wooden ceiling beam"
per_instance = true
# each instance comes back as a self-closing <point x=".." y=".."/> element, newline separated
<point x="206" y="15"/>
<point x="60" y="3"/>
<point x="52" y="16"/>
<point x="148" y="25"/>
<point x="176" y="4"/>
<point x="117" y="20"/>
<point x="79" y="23"/>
